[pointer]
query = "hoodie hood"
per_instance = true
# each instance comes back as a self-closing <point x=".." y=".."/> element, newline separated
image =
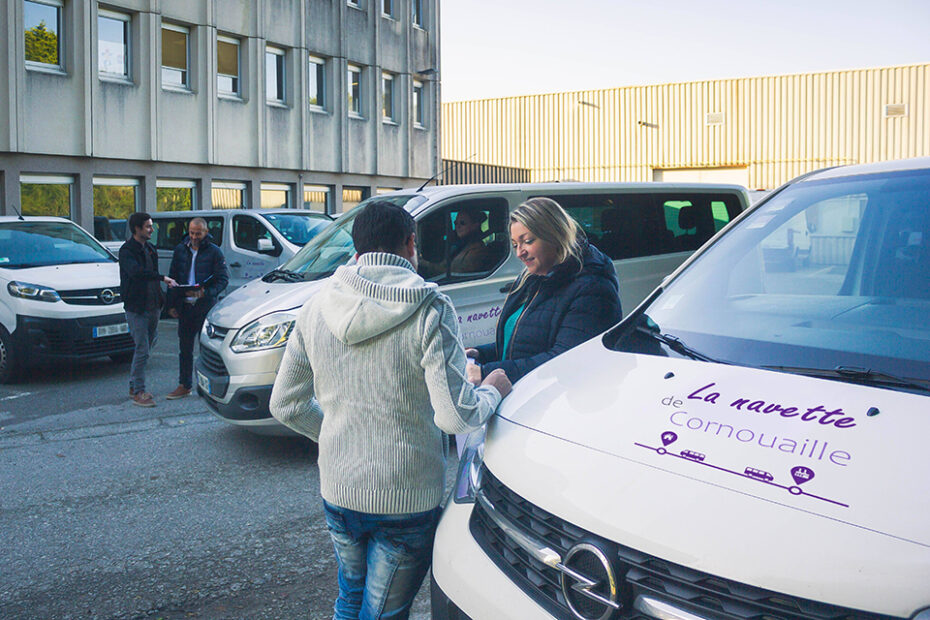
<point x="376" y="294"/>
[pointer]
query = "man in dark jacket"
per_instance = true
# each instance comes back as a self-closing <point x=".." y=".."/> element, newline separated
<point x="198" y="263"/>
<point x="140" y="288"/>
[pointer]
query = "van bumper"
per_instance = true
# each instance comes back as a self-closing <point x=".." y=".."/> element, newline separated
<point x="42" y="339"/>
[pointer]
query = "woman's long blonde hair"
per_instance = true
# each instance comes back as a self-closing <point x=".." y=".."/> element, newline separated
<point x="549" y="222"/>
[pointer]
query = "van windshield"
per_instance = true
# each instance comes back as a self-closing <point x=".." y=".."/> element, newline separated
<point x="298" y="228"/>
<point x="828" y="278"/>
<point x="26" y="244"/>
<point x="333" y="247"/>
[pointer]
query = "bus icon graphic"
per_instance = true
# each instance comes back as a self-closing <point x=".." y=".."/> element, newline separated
<point x="691" y="454"/>
<point x="758" y="474"/>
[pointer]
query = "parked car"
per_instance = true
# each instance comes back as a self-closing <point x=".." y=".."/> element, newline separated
<point x="59" y="296"/>
<point x="647" y="228"/>
<point x="806" y="393"/>
<point x="254" y="241"/>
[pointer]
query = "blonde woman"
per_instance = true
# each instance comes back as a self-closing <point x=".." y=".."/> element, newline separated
<point x="567" y="293"/>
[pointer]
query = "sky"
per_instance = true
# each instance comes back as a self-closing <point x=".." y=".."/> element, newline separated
<point x="501" y="48"/>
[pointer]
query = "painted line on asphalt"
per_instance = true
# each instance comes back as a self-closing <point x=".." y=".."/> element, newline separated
<point x="17" y="395"/>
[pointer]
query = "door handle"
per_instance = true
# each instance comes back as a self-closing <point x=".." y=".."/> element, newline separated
<point x="235" y="265"/>
<point x="506" y="287"/>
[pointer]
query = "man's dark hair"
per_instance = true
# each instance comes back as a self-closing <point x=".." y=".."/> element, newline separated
<point x="475" y="214"/>
<point x="138" y="220"/>
<point x="382" y="227"/>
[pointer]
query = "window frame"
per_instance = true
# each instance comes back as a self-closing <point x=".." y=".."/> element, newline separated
<point x="388" y="97"/>
<point x="417" y="100"/>
<point x="36" y="65"/>
<point x="327" y="190"/>
<point x="277" y="187"/>
<point x="126" y="19"/>
<point x="49" y="179"/>
<point x="416" y="14"/>
<point x="280" y="55"/>
<point x="317" y="68"/>
<point x="189" y="184"/>
<point x="387" y="9"/>
<point x="240" y="186"/>
<point x="354" y="106"/>
<point x="236" y="92"/>
<point x="185" y="84"/>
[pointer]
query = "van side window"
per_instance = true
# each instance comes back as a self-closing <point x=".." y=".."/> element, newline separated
<point x="170" y="231"/>
<point x="693" y="219"/>
<point x="247" y="231"/>
<point x="463" y="241"/>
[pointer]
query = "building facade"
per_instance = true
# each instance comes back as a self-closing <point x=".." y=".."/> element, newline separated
<point x="758" y="132"/>
<point x="167" y="105"/>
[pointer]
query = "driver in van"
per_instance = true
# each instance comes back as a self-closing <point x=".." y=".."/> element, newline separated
<point x="468" y="253"/>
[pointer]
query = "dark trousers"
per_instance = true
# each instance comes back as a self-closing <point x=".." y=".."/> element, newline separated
<point x="190" y="321"/>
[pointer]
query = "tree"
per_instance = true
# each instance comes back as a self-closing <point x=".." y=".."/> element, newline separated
<point x="42" y="45"/>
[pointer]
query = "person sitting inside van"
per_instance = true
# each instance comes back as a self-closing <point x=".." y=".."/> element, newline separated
<point x="568" y="293"/>
<point x="468" y="253"/>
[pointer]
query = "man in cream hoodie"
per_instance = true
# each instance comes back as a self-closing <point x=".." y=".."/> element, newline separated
<point x="374" y="371"/>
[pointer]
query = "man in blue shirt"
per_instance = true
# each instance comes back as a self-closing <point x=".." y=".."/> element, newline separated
<point x="199" y="267"/>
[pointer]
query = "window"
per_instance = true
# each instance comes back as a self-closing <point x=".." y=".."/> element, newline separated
<point x="174" y="56"/>
<point x="115" y="200"/>
<point x="227" y="66"/>
<point x="354" y="85"/>
<point x="466" y="240"/>
<point x="354" y="3"/>
<point x="228" y="195"/>
<point x="318" y="198"/>
<point x="45" y="195"/>
<point x="174" y="195"/>
<point x="275" y="196"/>
<point x="113" y="44"/>
<point x="387" y="8"/>
<point x="387" y="92"/>
<point x="418" y="116"/>
<point x="316" y="79"/>
<point x="169" y="231"/>
<point x="274" y="74"/>
<point x="247" y="231"/>
<point x="351" y="196"/>
<point x="42" y="28"/>
<point x="416" y="12"/>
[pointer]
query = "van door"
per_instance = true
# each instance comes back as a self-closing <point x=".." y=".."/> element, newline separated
<point x="464" y="246"/>
<point x="254" y="250"/>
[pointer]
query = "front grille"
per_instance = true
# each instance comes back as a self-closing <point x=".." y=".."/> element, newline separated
<point x="57" y="342"/>
<point x="90" y="296"/>
<point x="216" y="332"/>
<point x="212" y="362"/>
<point x="638" y="573"/>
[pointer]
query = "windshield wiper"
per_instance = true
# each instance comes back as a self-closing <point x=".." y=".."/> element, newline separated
<point x="856" y="374"/>
<point x="282" y="274"/>
<point x="675" y="344"/>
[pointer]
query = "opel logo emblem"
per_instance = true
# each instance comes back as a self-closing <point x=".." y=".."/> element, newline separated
<point x="589" y="583"/>
<point x="211" y="331"/>
<point x="107" y="296"/>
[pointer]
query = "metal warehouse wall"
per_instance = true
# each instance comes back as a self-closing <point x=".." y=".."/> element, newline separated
<point x="773" y="128"/>
<point x="457" y="172"/>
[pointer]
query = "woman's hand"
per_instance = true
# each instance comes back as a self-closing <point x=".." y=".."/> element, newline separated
<point x="473" y="373"/>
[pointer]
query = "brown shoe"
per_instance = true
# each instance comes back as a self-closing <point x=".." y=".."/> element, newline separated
<point x="143" y="399"/>
<point x="179" y="392"/>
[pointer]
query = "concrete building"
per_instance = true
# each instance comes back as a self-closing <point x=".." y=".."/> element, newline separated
<point x="167" y="105"/>
<point x="758" y="132"/>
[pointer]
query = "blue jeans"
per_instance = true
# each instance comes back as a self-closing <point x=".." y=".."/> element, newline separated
<point x="144" y="331"/>
<point x="382" y="560"/>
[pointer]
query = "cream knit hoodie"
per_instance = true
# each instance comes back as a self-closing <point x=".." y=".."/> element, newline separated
<point x="373" y="370"/>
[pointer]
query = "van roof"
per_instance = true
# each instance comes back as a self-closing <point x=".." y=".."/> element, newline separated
<point x="437" y="191"/>
<point x="895" y="165"/>
<point x="204" y="212"/>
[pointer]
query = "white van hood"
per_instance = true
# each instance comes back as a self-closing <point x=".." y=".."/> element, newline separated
<point x="68" y="277"/>
<point x="258" y="298"/>
<point x="679" y="459"/>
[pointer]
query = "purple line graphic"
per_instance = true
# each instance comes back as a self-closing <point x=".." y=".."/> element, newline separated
<point x="800" y="474"/>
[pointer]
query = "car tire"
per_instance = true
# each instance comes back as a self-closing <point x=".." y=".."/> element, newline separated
<point x="10" y="369"/>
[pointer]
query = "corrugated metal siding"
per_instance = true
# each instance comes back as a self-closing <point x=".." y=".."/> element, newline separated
<point x="458" y="172"/>
<point x="777" y="126"/>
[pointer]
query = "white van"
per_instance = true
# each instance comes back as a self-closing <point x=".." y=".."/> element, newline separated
<point x="254" y="241"/>
<point x="648" y="229"/>
<point x="59" y="296"/>
<point x="750" y="442"/>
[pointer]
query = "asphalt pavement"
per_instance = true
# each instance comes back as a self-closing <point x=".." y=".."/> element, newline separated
<point x="110" y="510"/>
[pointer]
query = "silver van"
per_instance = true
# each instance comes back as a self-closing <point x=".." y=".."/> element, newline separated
<point x="648" y="229"/>
<point x="253" y="241"/>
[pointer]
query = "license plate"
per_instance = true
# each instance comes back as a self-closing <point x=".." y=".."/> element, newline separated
<point x="203" y="381"/>
<point x="111" y="330"/>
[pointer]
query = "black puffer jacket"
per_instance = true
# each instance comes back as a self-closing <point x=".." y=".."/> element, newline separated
<point x="210" y="270"/>
<point x="564" y="309"/>
<point x="134" y="278"/>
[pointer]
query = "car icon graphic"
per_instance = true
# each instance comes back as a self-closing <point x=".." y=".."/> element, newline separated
<point x="691" y="454"/>
<point x="758" y="474"/>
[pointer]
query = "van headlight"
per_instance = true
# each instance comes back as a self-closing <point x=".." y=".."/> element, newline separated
<point x="268" y="332"/>
<point x="32" y="291"/>
<point x="468" y="478"/>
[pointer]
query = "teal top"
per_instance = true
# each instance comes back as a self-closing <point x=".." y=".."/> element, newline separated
<point x="509" y="324"/>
